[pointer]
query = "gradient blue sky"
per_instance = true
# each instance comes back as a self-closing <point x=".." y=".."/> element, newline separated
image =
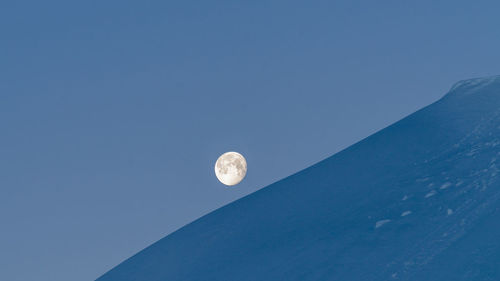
<point x="112" y="113"/>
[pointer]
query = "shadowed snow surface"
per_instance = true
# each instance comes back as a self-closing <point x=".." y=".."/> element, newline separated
<point x="341" y="219"/>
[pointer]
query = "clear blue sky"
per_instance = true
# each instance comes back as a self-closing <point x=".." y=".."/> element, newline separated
<point x="112" y="113"/>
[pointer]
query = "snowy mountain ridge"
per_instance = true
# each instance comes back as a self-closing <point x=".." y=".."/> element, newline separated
<point x="418" y="200"/>
<point x="469" y="86"/>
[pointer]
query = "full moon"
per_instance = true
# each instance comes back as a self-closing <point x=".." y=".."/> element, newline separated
<point x="231" y="168"/>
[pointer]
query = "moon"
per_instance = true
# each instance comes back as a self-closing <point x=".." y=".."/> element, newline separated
<point x="231" y="168"/>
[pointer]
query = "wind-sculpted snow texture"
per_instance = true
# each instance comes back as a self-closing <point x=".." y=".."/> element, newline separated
<point x="419" y="200"/>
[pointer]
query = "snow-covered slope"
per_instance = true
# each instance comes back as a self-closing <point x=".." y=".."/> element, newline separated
<point x="419" y="200"/>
